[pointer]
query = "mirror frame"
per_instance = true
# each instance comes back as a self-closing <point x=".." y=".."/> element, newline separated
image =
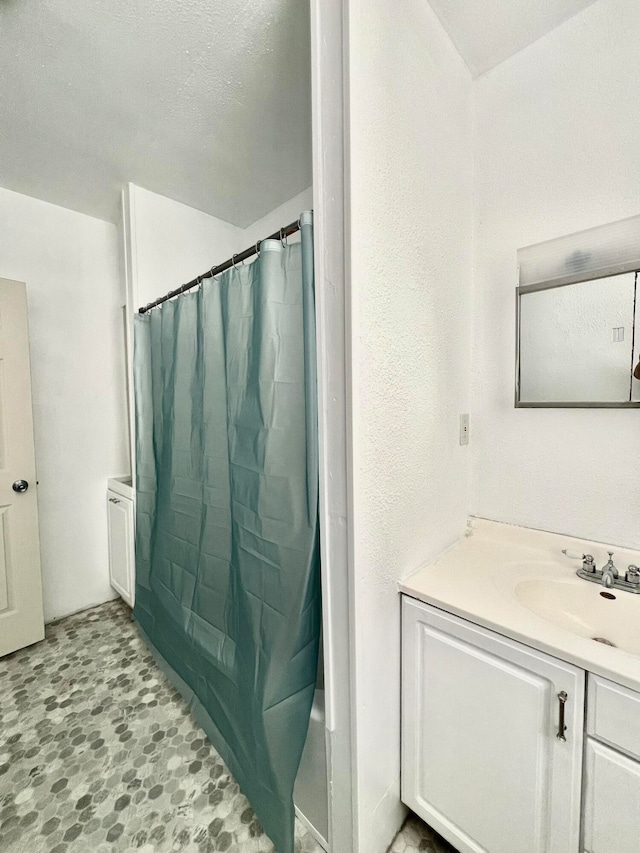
<point x="548" y="285"/>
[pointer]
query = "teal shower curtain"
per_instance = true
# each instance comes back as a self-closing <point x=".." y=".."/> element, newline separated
<point x="227" y="554"/>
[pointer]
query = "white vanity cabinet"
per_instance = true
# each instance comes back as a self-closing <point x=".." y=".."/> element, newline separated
<point x="492" y="737"/>
<point x="120" y="518"/>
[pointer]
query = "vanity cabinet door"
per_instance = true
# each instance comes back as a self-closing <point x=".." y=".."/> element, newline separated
<point x="482" y="762"/>
<point x="611" y="801"/>
<point x="120" y="516"/>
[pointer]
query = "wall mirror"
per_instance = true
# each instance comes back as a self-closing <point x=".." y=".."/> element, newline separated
<point x="578" y="321"/>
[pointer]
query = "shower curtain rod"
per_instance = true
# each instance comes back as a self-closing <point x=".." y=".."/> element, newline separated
<point x="290" y="229"/>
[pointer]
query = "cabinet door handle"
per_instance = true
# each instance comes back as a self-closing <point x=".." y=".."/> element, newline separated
<point x="562" y="701"/>
<point x="114" y="500"/>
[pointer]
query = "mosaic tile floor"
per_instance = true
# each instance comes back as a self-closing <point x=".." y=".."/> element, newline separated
<point x="416" y="836"/>
<point x="99" y="754"/>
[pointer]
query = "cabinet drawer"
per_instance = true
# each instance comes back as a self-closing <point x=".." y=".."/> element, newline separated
<point x="613" y="715"/>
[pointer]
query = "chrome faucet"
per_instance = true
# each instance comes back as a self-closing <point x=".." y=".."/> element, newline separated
<point x="609" y="572"/>
<point x="608" y="576"/>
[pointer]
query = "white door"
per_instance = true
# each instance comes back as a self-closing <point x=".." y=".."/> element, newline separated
<point x="482" y="761"/>
<point x="612" y="795"/>
<point x="21" y="618"/>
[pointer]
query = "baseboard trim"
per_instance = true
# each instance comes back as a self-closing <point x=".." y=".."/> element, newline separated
<point x="82" y="609"/>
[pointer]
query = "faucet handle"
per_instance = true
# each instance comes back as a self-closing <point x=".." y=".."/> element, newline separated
<point x="588" y="563"/>
<point x="633" y="575"/>
<point x="573" y="555"/>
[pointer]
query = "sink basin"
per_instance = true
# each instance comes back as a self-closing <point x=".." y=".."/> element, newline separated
<point x="581" y="608"/>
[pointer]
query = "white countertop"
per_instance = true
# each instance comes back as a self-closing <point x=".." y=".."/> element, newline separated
<point x="122" y="486"/>
<point x="477" y="580"/>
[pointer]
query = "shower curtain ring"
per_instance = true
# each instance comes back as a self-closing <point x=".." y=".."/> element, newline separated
<point x="233" y="262"/>
<point x="283" y="240"/>
<point x="258" y="243"/>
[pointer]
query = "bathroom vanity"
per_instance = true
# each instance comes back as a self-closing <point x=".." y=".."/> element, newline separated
<point x="521" y="728"/>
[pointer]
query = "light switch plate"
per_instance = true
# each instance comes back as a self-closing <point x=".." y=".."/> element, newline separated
<point x="464" y="429"/>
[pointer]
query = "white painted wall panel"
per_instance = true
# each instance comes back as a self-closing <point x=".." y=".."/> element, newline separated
<point x="557" y="152"/>
<point x="69" y="262"/>
<point x="411" y="221"/>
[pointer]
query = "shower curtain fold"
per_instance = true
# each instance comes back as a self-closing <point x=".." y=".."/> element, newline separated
<point x="227" y="552"/>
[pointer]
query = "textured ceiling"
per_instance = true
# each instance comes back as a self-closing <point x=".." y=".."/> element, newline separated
<point x="205" y="102"/>
<point x="487" y="32"/>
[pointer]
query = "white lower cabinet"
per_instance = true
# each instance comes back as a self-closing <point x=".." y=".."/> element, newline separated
<point x="120" y="515"/>
<point x="492" y="738"/>
<point x="612" y="801"/>
<point x="612" y="769"/>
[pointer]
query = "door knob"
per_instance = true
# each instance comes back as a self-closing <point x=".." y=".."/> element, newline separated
<point x="20" y="486"/>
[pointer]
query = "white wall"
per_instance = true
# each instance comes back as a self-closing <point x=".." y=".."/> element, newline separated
<point x="173" y="243"/>
<point x="69" y="262"/>
<point x="278" y="218"/>
<point x="557" y="151"/>
<point x="411" y="220"/>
